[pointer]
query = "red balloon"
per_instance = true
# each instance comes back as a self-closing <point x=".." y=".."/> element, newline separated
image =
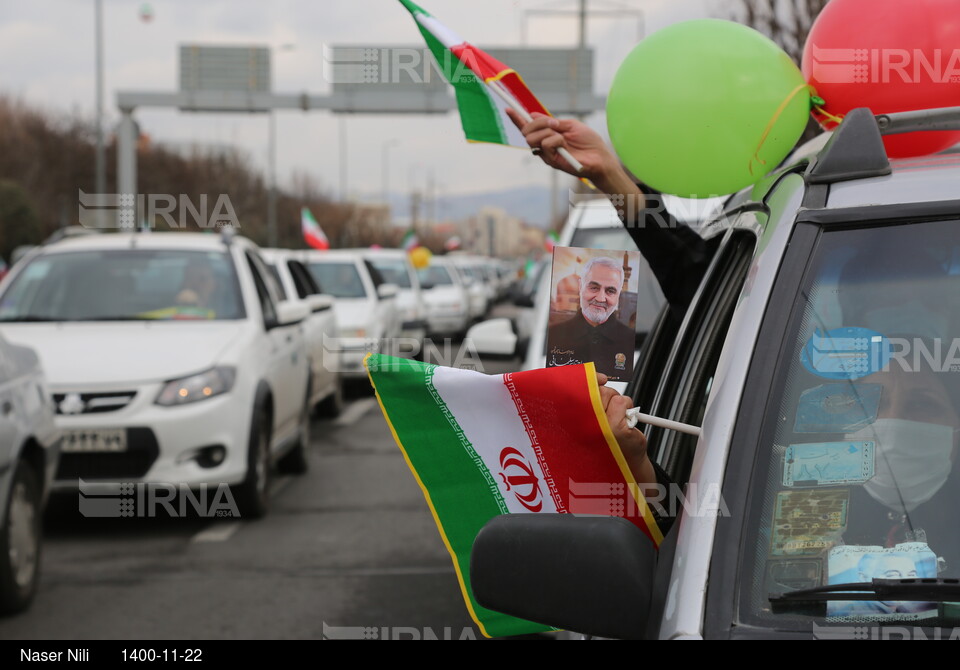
<point x="889" y="56"/>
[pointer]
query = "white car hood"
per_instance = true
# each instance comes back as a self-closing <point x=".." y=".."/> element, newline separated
<point x="443" y="294"/>
<point x="353" y="313"/>
<point x="125" y="353"/>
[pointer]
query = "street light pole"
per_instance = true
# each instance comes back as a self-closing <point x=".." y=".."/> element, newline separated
<point x="100" y="163"/>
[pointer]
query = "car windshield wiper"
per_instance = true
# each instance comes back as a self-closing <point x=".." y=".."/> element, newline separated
<point x="114" y="318"/>
<point x="908" y="589"/>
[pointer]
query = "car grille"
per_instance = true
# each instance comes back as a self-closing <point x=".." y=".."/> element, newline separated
<point x="142" y="450"/>
<point x="91" y="403"/>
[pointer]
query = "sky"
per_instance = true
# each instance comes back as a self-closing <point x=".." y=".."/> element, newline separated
<point x="47" y="48"/>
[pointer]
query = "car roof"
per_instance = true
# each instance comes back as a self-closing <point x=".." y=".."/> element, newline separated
<point x="333" y="256"/>
<point x="185" y="241"/>
<point x="924" y="179"/>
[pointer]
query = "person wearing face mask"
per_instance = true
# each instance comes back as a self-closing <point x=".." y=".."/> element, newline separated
<point x="914" y="488"/>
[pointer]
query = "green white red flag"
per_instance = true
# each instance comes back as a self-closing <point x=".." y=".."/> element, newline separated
<point x="470" y="71"/>
<point x="550" y="241"/>
<point x="312" y="233"/>
<point x="410" y="241"/>
<point x="483" y="445"/>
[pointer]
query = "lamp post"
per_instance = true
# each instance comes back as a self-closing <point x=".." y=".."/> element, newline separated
<point x="100" y="163"/>
<point x="272" y="237"/>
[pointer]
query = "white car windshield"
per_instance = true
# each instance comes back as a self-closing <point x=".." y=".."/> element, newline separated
<point x="341" y="280"/>
<point x="393" y="270"/>
<point x="124" y="285"/>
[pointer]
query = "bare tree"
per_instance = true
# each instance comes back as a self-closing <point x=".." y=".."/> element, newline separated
<point x="786" y="22"/>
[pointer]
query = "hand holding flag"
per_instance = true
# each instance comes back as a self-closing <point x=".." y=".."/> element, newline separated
<point x="483" y="99"/>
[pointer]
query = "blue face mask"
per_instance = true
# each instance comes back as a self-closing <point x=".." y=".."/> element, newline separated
<point x="912" y="461"/>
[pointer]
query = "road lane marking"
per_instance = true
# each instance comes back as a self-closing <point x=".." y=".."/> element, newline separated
<point x="218" y="532"/>
<point x="355" y="411"/>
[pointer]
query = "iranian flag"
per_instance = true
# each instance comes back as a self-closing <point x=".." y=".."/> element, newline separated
<point x="409" y="241"/>
<point x="312" y="233"/>
<point x="535" y="442"/>
<point x="550" y="241"/>
<point x="470" y="71"/>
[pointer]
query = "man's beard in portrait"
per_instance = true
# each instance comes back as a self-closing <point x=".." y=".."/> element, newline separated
<point x="596" y="312"/>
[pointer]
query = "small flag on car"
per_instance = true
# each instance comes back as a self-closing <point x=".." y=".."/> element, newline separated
<point x="312" y="233"/>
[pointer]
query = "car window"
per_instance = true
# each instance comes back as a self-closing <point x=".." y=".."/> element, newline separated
<point x="266" y="298"/>
<point x="124" y="285"/>
<point x="277" y="281"/>
<point x="614" y="237"/>
<point x="856" y="472"/>
<point x="436" y="275"/>
<point x="393" y="271"/>
<point x="341" y="280"/>
<point x="302" y="279"/>
<point x="684" y="383"/>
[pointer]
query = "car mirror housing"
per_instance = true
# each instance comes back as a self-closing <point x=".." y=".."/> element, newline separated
<point x="290" y="312"/>
<point x="387" y="291"/>
<point x="494" y="337"/>
<point x="588" y="574"/>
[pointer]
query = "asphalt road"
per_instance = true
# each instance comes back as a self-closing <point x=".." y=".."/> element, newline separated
<point x="347" y="550"/>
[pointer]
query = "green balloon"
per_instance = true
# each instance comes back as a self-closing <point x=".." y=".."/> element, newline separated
<point x="705" y="108"/>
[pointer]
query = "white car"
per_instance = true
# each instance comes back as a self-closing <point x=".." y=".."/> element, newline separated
<point x="395" y="267"/>
<point x="448" y="304"/>
<point x="170" y="359"/>
<point x="295" y="282"/>
<point x="366" y="308"/>
<point x="480" y="293"/>
<point x="29" y="452"/>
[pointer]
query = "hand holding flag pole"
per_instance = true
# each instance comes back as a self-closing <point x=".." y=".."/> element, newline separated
<point x="497" y="88"/>
<point x="634" y="416"/>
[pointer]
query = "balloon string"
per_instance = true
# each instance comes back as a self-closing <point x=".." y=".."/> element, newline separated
<point x="772" y="123"/>
<point x="827" y="115"/>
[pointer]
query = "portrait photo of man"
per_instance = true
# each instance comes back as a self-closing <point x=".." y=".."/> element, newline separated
<point x="593" y="310"/>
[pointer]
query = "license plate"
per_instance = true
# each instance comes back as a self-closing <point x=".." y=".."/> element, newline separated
<point x="94" y="440"/>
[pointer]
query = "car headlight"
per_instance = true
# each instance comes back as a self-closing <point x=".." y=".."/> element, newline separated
<point x="196" y="387"/>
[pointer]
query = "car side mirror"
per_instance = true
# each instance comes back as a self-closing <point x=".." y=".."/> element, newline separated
<point x="493" y="337"/>
<point x="385" y="291"/>
<point x="587" y="574"/>
<point x="319" y="302"/>
<point x="290" y="312"/>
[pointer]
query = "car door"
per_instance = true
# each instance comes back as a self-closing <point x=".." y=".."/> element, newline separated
<point x="286" y="371"/>
<point x="322" y="325"/>
<point x="675" y="377"/>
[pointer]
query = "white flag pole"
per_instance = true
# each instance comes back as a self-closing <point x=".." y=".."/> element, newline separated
<point x="508" y="98"/>
<point x="635" y="416"/>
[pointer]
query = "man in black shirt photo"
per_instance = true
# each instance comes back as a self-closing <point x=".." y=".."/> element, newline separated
<point x="594" y="333"/>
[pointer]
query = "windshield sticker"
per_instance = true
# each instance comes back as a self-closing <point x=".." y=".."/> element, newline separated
<point x="807" y="522"/>
<point x="845" y="353"/>
<point x="862" y="564"/>
<point x="783" y="576"/>
<point x="828" y="463"/>
<point x="837" y="408"/>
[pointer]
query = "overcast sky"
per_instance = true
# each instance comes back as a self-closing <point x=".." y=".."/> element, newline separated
<point x="47" y="51"/>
